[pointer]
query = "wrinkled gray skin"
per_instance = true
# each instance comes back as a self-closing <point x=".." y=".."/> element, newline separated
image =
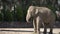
<point x="40" y="15"/>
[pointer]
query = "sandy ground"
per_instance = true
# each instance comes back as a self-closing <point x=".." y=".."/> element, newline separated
<point x="25" y="30"/>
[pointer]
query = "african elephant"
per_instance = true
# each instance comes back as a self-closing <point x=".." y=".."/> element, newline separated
<point x="40" y="15"/>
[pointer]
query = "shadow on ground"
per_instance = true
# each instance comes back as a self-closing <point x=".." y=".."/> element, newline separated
<point x="22" y="25"/>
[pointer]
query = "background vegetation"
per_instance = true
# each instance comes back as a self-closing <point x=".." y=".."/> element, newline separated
<point x="21" y="7"/>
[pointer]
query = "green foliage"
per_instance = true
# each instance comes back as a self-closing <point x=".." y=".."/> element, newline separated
<point x="52" y="7"/>
<point x="21" y="10"/>
<point x="8" y="16"/>
<point x="20" y="15"/>
<point x="25" y="11"/>
<point x="0" y="17"/>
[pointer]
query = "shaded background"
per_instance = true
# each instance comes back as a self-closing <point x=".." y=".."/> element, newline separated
<point x="13" y="12"/>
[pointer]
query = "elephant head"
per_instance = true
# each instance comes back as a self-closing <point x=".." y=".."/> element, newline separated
<point x="30" y="13"/>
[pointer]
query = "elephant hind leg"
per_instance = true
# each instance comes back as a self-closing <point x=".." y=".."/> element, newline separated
<point x="51" y="29"/>
<point x="45" y="28"/>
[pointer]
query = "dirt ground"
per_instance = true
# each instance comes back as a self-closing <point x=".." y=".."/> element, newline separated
<point x="25" y="30"/>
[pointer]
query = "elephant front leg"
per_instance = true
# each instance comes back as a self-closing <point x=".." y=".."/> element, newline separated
<point x="51" y="29"/>
<point x="38" y="21"/>
<point x="38" y="28"/>
<point x="34" y="25"/>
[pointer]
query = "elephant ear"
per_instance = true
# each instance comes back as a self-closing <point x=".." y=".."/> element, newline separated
<point x="36" y="11"/>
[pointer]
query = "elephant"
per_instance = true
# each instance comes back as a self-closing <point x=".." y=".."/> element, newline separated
<point x="40" y="15"/>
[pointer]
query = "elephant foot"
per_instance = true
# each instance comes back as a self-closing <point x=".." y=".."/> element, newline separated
<point x="50" y="33"/>
<point x="34" y="33"/>
<point x="44" y="32"/>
